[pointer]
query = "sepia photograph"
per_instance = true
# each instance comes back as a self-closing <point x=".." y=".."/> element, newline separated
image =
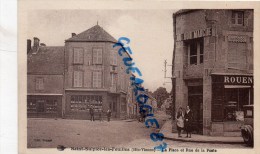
<point x="139" y="80"/>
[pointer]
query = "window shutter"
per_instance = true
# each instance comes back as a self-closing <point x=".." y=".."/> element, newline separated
<point x="78" y="79"/>
<point x="78" y="55"/>
<point x="87" y="79"/>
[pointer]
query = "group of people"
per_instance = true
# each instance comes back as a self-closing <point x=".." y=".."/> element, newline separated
<point x="184" y="121"/>
<point x="92" y="113"/>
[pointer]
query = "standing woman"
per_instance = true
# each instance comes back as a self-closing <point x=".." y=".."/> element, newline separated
<point x="188" y="121"/>
<point x="180" y="121"/>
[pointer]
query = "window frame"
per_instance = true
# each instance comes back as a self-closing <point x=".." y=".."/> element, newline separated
<point x="198" y="43"/>
<point x="82" y="76"/>
<point x="234" y="16"/>
<point x="96" y="61"/>
<point x="39" y="86"/>
<point x="80" y="58"/>
<point x="95" y="79"/>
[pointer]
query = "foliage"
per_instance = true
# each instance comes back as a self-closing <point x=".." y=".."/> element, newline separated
<point x="160" y="94"/>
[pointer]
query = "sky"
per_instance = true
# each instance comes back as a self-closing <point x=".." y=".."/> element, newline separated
<point x="150" y="32"/>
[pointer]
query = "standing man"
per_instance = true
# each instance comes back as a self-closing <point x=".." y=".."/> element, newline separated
<point x="91" y="111"/>
<point x="188" y="121"/>
<point x="100" y="114"/>
<point x="108" y="115"/>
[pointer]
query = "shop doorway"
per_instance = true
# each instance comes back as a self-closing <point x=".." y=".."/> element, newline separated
<point x="195" y="101"/>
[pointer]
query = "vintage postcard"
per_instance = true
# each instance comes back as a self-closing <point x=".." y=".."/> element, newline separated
<point x="138" y="76"/>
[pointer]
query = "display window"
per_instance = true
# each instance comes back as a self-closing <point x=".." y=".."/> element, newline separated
<point x="42" y="105"/>
<point x="235" y="100"/>
<point x="84" y="102"/>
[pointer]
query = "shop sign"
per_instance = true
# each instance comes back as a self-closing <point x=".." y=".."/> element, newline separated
<point x="238" y="79"/>
<point x="194" y="34"/>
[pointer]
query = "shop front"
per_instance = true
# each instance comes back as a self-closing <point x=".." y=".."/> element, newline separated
<point x="78" y="104"/>
<point x="44" y="106"/>
<point x="230" y="94"/>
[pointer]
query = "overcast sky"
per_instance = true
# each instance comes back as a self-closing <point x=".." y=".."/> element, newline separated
<point x="150" y="31"/>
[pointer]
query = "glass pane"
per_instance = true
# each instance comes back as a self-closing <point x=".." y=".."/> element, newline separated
<point x="239" y="21"/>
<point x="193" y="49"/>
<point x="193" y="60"/>
<point x="201" y="58"/>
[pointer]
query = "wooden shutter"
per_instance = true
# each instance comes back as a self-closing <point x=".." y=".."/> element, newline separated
<point x="78" y="55"/>
<point x="77" y="79"/>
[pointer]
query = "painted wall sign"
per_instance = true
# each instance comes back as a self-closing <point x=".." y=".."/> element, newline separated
<point x="238" y="79"/>
<point x="233" y="79"/>
<point x="194" y="34"/>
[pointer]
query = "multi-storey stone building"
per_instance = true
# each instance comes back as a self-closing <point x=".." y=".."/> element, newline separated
<point x="213" y="67"/>
<point x="92" y="74"/>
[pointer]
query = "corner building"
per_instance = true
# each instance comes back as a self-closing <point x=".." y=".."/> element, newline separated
<point x="94" y="75"/>
<point x="64" y="81"/>
<point x="213" y="67"/>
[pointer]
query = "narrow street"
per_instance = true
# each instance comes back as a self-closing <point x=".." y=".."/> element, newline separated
<point x="49" y="133"/>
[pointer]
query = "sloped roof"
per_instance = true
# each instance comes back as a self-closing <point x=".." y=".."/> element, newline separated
<point x="47" y="60"/>
<point x="183" y="11"/>
<point x="94" y="34"/>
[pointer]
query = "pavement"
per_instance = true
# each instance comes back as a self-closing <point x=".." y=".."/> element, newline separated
<point x="166" y="130"/>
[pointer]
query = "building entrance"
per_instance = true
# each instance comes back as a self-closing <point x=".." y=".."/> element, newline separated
<point x="195" y="101"/>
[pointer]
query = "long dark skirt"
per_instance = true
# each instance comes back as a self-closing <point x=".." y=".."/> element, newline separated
<point x="188" y="127"/>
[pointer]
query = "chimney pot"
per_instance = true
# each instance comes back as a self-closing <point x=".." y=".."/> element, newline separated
<point x="73" y="34"/>
<point x="36" y="41"/>
<point x="29" y="45"/>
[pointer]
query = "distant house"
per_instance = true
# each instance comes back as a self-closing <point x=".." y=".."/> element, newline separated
<point x="86" y="72"/>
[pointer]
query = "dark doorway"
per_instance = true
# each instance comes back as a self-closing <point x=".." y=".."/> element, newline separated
<point x="40" y="106"/>
<point x="195" y="101"/>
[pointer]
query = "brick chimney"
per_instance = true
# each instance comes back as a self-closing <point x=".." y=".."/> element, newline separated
<point x="36" y="45"/>
<point x="29" y="45"/>
<point x="73" y="34"/>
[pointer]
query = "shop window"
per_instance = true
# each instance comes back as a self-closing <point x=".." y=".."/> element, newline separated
<point x="83" y="102"/>
<point x="78" y="55"/>
<point x="195" y="51"/>
<point x="97" y="56"/>
<point x="235" y="99"/>
<point x="237" y="18"/>
<point x="31" y="106"/>
<point x="39" y="84"/>
<point x="78" y="78"/>
<point x="51" y="106"/>
<point x="97" y="79"/>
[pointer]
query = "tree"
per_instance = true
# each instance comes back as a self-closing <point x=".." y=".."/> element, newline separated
<point x="160" y="94"/>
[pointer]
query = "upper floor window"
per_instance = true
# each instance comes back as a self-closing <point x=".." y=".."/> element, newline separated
<point x="78" y="55"/>
<point x="97" y="79"/>
<point x="97" y="56"/>
<point x="195" y="52"/>
<point x="237" y="18"/>
<point x="39" y="84"/>
<point x="78" y="78"/>
<point x="113" y="58"/>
